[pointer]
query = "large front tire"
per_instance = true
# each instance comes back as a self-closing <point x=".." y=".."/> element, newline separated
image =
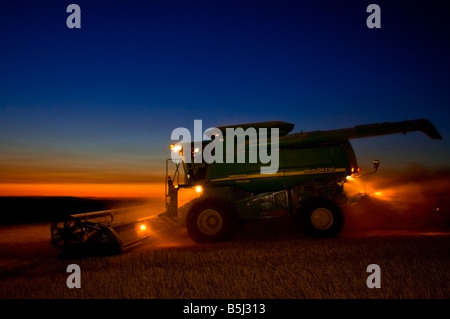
<point x="320" y="218"/>
<point x="211" y="220"/>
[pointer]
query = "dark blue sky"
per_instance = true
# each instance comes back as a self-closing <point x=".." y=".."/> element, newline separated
<point x="105" y="98"/>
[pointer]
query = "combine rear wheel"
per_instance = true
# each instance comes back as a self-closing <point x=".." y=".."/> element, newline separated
<point x="211" y="220"/>
<point x="320" y="218"/>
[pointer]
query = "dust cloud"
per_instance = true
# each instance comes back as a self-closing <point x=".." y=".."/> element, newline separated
<point x="160" y="231"/>
<point x="415" y="198"/>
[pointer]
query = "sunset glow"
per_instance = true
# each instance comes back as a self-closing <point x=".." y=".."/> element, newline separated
<point x="89" y="111"/>
<point x="138" y="190"/>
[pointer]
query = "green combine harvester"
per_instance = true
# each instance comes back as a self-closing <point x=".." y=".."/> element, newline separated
<point x="308" y="186"/>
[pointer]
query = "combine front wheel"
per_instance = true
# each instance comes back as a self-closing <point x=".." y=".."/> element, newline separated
<point x="210" y="220"/>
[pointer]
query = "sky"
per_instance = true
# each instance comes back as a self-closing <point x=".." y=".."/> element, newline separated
<point x="89" y="111"/>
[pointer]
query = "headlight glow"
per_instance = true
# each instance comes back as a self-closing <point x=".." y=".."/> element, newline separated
<point x="198" y="189"/>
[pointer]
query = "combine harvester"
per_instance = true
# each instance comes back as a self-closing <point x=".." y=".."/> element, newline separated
<point x="308" y="186"/>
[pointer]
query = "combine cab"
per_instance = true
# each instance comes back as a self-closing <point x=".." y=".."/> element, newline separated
<point x="307" y="186"/>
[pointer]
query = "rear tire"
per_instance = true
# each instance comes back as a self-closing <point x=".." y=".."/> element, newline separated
<point x="211" y="220"/>
<point x="320" y="218"/>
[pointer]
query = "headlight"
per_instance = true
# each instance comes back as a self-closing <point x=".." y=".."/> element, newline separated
<point x="198" y="189"/>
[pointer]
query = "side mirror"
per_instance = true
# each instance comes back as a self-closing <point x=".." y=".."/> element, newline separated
<point x="376" y="163"/>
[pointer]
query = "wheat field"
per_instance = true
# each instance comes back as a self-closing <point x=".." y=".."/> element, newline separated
<point x="266" y="260"/>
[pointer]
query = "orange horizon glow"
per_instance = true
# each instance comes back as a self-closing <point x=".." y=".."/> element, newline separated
<point x="117" y="190"/>
<point x="149" y="191"/>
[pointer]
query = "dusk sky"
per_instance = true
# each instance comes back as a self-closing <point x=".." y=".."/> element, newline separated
<point x="91" y="109"/>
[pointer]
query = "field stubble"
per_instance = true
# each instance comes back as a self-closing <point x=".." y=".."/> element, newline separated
<point x="261" y="262"/>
